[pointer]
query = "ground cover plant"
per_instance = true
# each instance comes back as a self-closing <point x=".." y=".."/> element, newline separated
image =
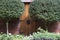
<point x="11" y="37"/>
<point x="43" y="35"/>
<point x="35" y="36"/>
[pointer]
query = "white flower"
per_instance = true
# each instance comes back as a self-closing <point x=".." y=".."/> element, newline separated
<point x="9" y="33"/>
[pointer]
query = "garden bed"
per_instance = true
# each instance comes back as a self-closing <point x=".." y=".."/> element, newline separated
<point x="35" y="36"/>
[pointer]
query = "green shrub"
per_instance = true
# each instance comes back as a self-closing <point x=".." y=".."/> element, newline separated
<point x="10" y="9"/>
<point x="11" y="37"/>
<point x="44" y="36"/>
<point x="28" y="37"/>
<point x="35" y="36"/>
<point x="45" y="9"/>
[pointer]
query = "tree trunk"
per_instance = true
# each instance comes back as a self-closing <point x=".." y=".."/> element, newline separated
<point x="7" y="28"/>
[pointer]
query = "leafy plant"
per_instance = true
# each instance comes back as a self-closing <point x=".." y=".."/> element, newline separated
<point x="10" y="9"/>
<point x="42" y="30"/>
<point x="45" y="9"/>
<point x="11" y="37"/>
<point x="28" y="37"/>
<point x="35" y="36"/>
<point x="46" y="36"/>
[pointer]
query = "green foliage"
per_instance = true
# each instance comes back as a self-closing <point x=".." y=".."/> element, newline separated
<point x="11" y="37"/>
<point x="10" y="9"/>
<point x="43" y="34"/>
<point x="42" y="30"/>
<point x="39" y="35"/>
<point x="45" y="9"/>
<point x="28" y="38"/>
<point x="35" y="36"/>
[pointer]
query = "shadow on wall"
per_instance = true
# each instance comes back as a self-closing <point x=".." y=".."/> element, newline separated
<point x="53" y="26"/>
<point x="14" y="26"/>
